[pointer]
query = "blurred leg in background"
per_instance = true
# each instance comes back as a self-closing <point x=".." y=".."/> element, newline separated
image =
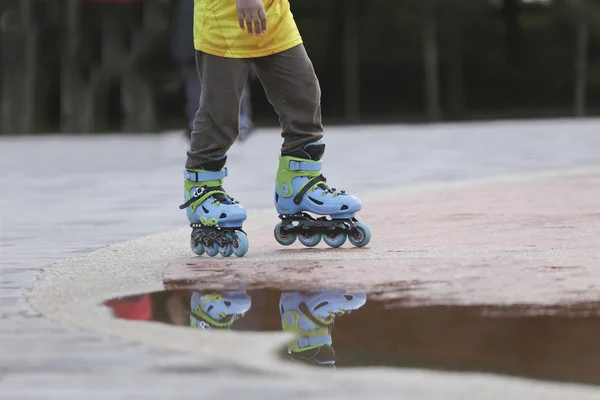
<point x="191" y="81"/>
<point x="246" y="124"/>
<point x="185" y="56"/>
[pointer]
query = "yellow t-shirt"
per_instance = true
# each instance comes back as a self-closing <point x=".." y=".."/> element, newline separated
<point x="217" y="30"/>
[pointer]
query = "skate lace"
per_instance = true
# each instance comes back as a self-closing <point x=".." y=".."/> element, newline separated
<point x="340" y="311"/>
<point x="326" y="189"/>
<point x="220" y="198"/>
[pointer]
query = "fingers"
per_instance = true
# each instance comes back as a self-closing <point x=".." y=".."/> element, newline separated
<point x="263" y="19"/>
<point x="257" y="28"/>
<point x="255" y="21"/>
<point x="249" y="23"/>
<point x="241" y="19"/>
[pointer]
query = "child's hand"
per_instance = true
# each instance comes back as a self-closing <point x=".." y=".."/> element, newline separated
<point x="252" y="12"/>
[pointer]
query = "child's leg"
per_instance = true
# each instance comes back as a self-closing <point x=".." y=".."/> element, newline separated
<point x="216" y="126"/>
<point x="293" y="89"/>
<point x="215" y="217"/>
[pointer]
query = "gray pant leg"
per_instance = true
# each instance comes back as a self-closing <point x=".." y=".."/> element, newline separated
<point x="216" y="125"/>
<point x="293" y="89"/>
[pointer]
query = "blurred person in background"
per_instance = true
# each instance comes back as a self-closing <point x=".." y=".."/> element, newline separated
<point x="185" y="55"/>
<point x="4" y="14"/>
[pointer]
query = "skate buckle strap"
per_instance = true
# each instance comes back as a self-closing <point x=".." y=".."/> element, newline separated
<point x="314" y="341"/>
<point x="307" y="187"/>
<point x="203" y="191"/>
<point x="196" y="176"/>
<point x="305" y="166"/>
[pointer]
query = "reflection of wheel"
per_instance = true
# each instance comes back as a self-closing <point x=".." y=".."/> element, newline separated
<point x="198" y="249"/>
<point x="212" y="250"/>
<point x="361" y="235"/>
<point x="240" y="244"/>
<point x="284" y="238"/>
<point x="309" y="239"/>
<point x="335" y="239"/>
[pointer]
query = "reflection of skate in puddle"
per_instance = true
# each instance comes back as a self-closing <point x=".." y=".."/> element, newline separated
<point x="351" y="330"/>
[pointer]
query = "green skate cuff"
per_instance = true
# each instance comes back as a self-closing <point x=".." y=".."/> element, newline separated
<point x="313" y="341"/>
<point x="292" y="167"/>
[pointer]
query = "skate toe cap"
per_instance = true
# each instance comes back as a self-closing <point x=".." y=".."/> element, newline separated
<point x="233" y="212"/>
<point x="350" y="203"/>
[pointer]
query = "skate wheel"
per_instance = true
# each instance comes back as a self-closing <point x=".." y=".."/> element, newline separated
<point x="240" y="244"/>
<point x="226" y="251"/>
<point x="284" y="238"/>
<point x="309" y="239"/>
<point x="198" y="249"/>
<point x="212" y="250"/>
<point x="334" y="239"/>
<point x="361" y="235"/>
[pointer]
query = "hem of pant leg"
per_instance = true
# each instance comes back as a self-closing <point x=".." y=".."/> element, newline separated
<point x="302" y="144"/>
<point x="192" y="164"/>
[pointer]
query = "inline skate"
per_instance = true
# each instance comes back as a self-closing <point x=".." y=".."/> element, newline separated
<point x="301" y="189"/>
<point x="215" y="217"/>
<point x="311" y="316"/>
<point x="218" y="310"/>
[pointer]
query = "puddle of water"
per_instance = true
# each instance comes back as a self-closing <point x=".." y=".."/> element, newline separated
<point x="552" y="343"/>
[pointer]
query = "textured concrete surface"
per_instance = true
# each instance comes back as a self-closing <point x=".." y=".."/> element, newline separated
<point x="71" y="291"/>
<point x="533" y="241"/>
<point x="63" y="196"/>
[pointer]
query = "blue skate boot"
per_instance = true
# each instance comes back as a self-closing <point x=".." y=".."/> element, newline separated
<point x="301" y="189"/>
<point x="311" y="316"/>
<point x="218" y="310"/>
<point x="215" y="217"/>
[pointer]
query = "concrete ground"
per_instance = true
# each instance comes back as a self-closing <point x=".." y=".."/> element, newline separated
<point x="487" y="213"/>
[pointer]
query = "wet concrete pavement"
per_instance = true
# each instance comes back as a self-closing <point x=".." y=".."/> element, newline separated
<point x="92" y="191"/>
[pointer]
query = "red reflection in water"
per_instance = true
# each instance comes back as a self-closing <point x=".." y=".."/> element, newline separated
<point x="137" y="308"/>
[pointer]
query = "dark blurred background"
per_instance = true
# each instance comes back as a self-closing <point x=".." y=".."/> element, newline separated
<point x="81" y="66"/>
